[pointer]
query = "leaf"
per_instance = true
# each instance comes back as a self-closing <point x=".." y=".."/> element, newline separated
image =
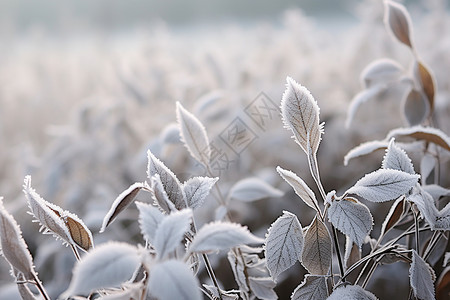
<point x="226" y="295"/>
<point x="171" y="184"/>
<point x="443" y="285"/>
<point x="427" y="82"/>
<point x="130" y="291"/>
<point x="436" y="191"/>
<point x="222" y="235"/>
<point x="193" y="135"/>
<point x="173" y="279"/>
<point x="79" y="232"/>
<point x="284" y="244"/>
<point x="122" y="201"/>
<point x="263" y="287"/>
<point x="300" y="114"/>
<point x="352" y="253"/>
<point x="316" y="256"/>
<point x="438" y="220"/>
<point x="381" y="71"/>
<point x="415" y="107"/>
<point x="394" y="215"/>
<point x="427" y="164"/>
<point x="171" y="230"/>
<point x="239" y="269"/>
<point x="300" y="187"/>
<point x="429" y="134"/>
<point x="398" y="22"/>
<point x="384" y="185"/>
<point x="252" y="189"/>
<point x="421" y="278"/>
<point x="397" y="159"/>
<point x="352" y="218"/>
<point x="108" y="265"/>
<point x="360" y="98"/>
<point x="312" y="288"/>
<point x="351" y="292"/>
<point x="159" y="195"/>
<point x="149" y="219"/>
<point x="13" y="246"/>
<point x="197" y="189"/>
<point x="364" y="149"/>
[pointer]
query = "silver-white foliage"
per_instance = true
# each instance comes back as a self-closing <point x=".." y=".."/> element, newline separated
<point x="360" y="98"/>
<point x="397" y="159"/>
<point x="239" y="269"/>
<point x="317" y="252"/>
<point x="364" y="149"/>
<point x="300" y="114"/>
<point x="149" y="219"/>
<point x="129" y="291"/>
<point x="263" y="287"/>
<point x="13" y="246"/>
<point x="159" y="195"/>
<point x="352" y="218"/>
<point x="122" y="201"/>
<point x="193" y="135"/>
<point x="173" y="279"/>
<point x="108" y="265"/>
<point x="429" y="134"/>
<point x="197" y="189"/>
<point x="170" y="182"/>
<point x="284" y="244"/>
<point x="436" y="191"/>
<point x="384" y="185"/>
<point x="438" y="219"/>
<point x="312" y="288"/>
<point x="252" y="189"/>
<point x="222" y="235"/>
<point x="300" y="187"/>
<point x="427" y="164"/>
<point x="352" y="252"/>
<point x="381" y="71"/>
<point x="398" y="22"/>
<point x="171" y="230"/>
<point x="421" y="278"/>
<point x="351" y="292"/>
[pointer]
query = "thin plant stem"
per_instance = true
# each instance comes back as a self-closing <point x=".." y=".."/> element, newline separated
<point x="40" y="287"/>
<point x="338" y="251"/>
<point x="433" y="243"/>
<point x="75" y="252"/>
<point x="416" y="228"/>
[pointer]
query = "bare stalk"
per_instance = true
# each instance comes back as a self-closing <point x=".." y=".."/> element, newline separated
<point x="40" y="287"/>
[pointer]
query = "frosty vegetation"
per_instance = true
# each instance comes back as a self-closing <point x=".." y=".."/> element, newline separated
<point x="187" y="228"/>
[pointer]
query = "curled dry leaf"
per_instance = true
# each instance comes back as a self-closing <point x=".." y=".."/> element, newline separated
<point x="394" y="215"/>
<point x="398" y="22"/>
<point x="415" y="107"/>
<point x="13" y="246"/>
<point x="300" y="114"/>
<point x="193" y="135"/>
<point x="122" y="201"/>
<point x="428" y="134"/>
<point x="317" y="252"/>
<point x="352" y="253"/>
<point x="427" y="82"/>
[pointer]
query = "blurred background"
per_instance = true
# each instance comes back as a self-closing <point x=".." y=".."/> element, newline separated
<point x="86" y="87"/>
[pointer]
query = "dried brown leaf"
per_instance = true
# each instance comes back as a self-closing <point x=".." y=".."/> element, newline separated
<point x="397" y="19"/>
<point x="415" y="107"/>
<point x="427" y="82"/>
<point x="80" y="234"/>
<point x="428" y="134"/>
<point x="394" y="215"/>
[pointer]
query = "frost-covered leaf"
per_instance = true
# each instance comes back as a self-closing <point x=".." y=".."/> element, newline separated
<point x="397" y="159"/>
<point x="436" y="191"/>
<point x="263" y="287"/>
<point x="284" y="244"/>
<point x="122" y="201"/>
<point x="427" y="164"/>
<point x="438" y="220"/>
<point x="300" y="114"/>
<point x="384" y="185"/>
<point x="193" y="135"/>
<point x="351" y="292"/>
<point x="429" y="134"/>
<point x="360" y="98"/>
<point x="171" y="230"/>
<point x="197" y="189"/>
<point x="381" y="71"/>
<point x="426" y="80"/>
<point x="238" y="267"/>
<point x="415" y="107"/>
<point x="300" y="187"/>
<point x="316" y="256"/>
<point x="13" y="246"/>
<point x="252" y="189"/>
<point x="170" y="182"/>
<point x="226" y="295"/>
<point x="222" y="235"/>
<point x="394" y="215"/>
<point x="108" y="265"/>
<point x="421" y="278"/>
<point x="149" y="219"/>
<point x="173" y="279"/>
<point x="352" y="253"/>
<point x="159" y="195"/>
<point x="312" y="288"/>
<point x="352" y="218"/>
<point x="397" y="19"/>
<point x="79" y="232"/>
<point x="364" y="149"/>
